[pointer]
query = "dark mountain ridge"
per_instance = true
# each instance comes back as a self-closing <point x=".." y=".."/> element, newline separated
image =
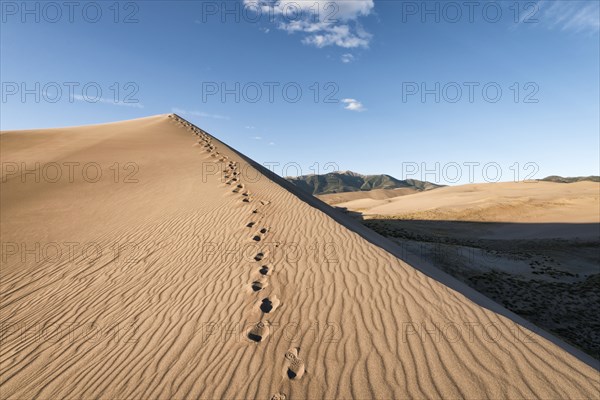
<point x="348" y="181"/>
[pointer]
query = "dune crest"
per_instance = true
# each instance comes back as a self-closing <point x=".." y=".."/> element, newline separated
<point x="187" y="271"/>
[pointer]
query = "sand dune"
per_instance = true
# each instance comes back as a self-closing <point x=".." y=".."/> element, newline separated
<point x="376" y="194"/>
<point x="196" y="274"/>
<point x="536" y="201"/>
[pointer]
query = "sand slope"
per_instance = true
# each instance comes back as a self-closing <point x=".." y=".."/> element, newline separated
<point x="187" y="269"/>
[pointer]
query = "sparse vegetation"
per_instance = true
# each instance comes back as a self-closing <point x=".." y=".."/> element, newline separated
<point x="569" y="310"/>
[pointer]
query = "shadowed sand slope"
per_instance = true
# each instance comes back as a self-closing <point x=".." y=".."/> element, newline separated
<point x="192" y="274"/>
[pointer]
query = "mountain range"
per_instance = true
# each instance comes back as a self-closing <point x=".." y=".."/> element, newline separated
<point x="560" y="179"/>
<point x="348" y="181"/>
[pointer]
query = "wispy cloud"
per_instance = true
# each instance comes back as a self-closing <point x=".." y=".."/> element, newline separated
<point x="353" y="105"/>
<point x="347" y="58"/>
<point x="323" y="22"/>
<point x="249" y="127"/>
<point x="257" y="137"/>
<point x="574" y="16"/>
<point x="197" y="113"/>
<point x="79" y="97"/>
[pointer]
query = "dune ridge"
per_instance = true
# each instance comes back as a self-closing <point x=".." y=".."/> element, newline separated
<point x="240" y="286"/>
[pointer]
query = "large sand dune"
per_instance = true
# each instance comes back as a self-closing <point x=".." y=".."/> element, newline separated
<point x="515" y="202"/>
<point x="181" y="265"/>
<point x="375" y="194"/>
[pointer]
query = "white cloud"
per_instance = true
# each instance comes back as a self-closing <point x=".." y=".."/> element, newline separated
<point x="353" y="105"/>
<point x="249" y="127"/>
<point x="90" y="100"/>
<point x="257" y="137"/>
<point x="324" y="22"/>
<point x="271" y="143"/>
<point x="197" y="113"/>
<point x="340" y="35"/>
<point x="347" y="58"/>
<point x="574" y="16"/>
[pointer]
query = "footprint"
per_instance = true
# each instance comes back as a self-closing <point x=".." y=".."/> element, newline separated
<point x="246" y="200"/>
<point x="250" y="224"/>
<point x="259" y="332"/>
<point x="269" y="304"/>
<point x="259" y="284"/>
<point x="264" y="270"/>
<point x="254" y="211"/>
<point x="259" y="256"/>
<point x="278" y="396"/>
<point x="259" y="236"/>
<point x="294" y="364"/>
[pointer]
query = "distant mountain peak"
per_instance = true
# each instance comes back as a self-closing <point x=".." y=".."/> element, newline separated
<point x="560" y="179"/>
<point x="347" y="172"/>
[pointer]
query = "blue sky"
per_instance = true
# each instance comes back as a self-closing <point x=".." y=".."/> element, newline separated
<point x="362" y="67"/>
